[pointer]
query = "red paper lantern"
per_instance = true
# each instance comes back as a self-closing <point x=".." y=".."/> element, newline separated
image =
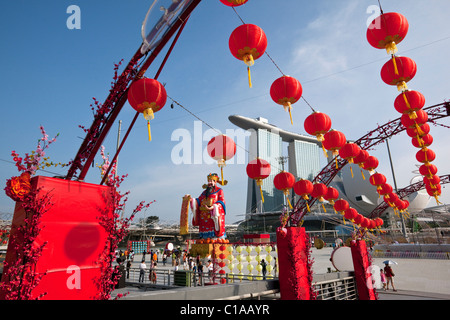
<point x="385" y="189"/>
<point x="398" y="71"/>
<point x="221" y="148"/>
<point x="428" y="170"/>
<point x="258" y="169"/>
<point x="304" y="188"/>
<point x="432" y="181"/>
<point x="286" y="91"/>
<point x="387" y="30"/>
<point x="349" y="152"/>
<point x="147" y="96"/>
<point x="350" y="214"/>
<point x="379" y="222"/>
<point x="372" y="224"/>
<point x="425" y="156"/>
<point x="333" y="141"/>
<point x="434" y="191"/>
<point x="358" y="219"/>
<point x="420" y="131"/>
<point x="233" y="3"/>
<point x="248" y="42"/>
<point x="284" y="181"/>
<point x="422" y="142"/>
<point x="417" y="122"/>
<point x="390" y="198"/>
<point x="319" y="191"/>
<point x="409" y="102"/>
<point x="370" y="164"/>
<point x="365" y="223"/>
<point x="341" y="205"/>
<point x="317" y="124"/>
<point x="377" y="180"/>
<point x="360" y="159"/>
<point x="331" y="195"/>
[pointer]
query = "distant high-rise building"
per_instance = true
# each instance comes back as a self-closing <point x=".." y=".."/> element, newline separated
<point x="266" y="142"/>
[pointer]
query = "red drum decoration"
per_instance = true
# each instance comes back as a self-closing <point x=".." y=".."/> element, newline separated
<point x="331" y="195"/>
<point x="377" y="180"/>
<point x="422" y="142"/>
<point x="370" y="164"/>
<point x="398" y="71"/>
<point x="304" y="188"/>
<point x="248" y="42"/>
<point x="349" y="152"/>
<point x="428" y="170"/>
<point x="233" y="3"/>
<point x="147" y="96"/>
<point x="425" y="156"/>
<point x="387" y="30"/>
<point x="221" y="148"/>
<point x="317" y="124"/>
<point x="286" y="91"/>
<point x="258" y="170"/>
<point x="284" y="181"/>
<point x="409" y="102"/>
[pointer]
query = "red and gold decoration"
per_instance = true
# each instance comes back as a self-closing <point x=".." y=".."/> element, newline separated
<point x="378" y="180"/>
<point x="286" y="91"/>
<point x="258" y="169"/>
<point x="319" y="192"/>
<point x="147" y="96"/>
<point x="221" y="148"/>
<point x="333" y="141"/>
<point x="331" y="195"/>
<point x="233" y="3"/>
<point x="284" y="181"/>
<point x="387" y="30"/>
<point x="349" y="152"/>
<point x="248" y="42"/>
<point x="317" y="124"/>
<point x="304" y="188"/>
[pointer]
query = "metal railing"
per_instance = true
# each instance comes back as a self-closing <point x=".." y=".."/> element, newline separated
<point x="337" y="289"/>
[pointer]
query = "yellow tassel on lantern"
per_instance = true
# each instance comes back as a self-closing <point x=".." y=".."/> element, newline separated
<point x="401" y="86"/>
<point x="287" y="108"/>
<point x="391" y="48"/>
<point x="248" y="60"/>
<point x="259" y="183"/>
<point x="395" y="65"/>
<point x="412" y="114"/>
<point x="351" y="171"/>
<point x="149" y="115"/>
<point x="362" y="173"/>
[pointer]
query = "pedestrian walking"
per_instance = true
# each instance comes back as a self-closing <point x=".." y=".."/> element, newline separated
<point x="389" y="274"/>
<point x="142" y="268"/>
<point x="383" y="279"/>
<point x="128" y="269"/>
<point x="264" y="268"/>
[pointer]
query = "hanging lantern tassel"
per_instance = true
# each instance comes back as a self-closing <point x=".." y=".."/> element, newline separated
<point x="221" y="163"/>
<point x="391" y="48"/>
<point x="286" y="193"/>
<point x="248" y="59"/>
<point x="401" y="86"/>
<point x="149" y="115"/>
<point x="395" y="65"/>
<point x="259" y="183"/>
<point x="413" y="114"/>
<point x="287" y="108"/>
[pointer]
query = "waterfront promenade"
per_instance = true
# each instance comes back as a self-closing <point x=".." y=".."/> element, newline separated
<point x="415" y="279"/>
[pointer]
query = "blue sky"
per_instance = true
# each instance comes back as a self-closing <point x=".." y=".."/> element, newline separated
<point x="50" y="75"/>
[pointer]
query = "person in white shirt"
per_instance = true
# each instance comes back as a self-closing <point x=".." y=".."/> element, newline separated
<point x="142" y="268"/>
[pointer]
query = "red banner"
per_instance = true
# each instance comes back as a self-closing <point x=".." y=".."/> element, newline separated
<point x="363" y="276"/>
<point x="74" y="238"/>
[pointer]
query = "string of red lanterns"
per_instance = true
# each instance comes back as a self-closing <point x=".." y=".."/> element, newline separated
<point x="385" y="32"/>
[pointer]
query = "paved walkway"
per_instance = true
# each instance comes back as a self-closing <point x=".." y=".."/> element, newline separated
<point x="416" y="279"/>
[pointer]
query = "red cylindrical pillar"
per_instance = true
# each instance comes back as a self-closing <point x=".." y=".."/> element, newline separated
<point x="363" y="275"/>
<point x="295" y="274"/>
